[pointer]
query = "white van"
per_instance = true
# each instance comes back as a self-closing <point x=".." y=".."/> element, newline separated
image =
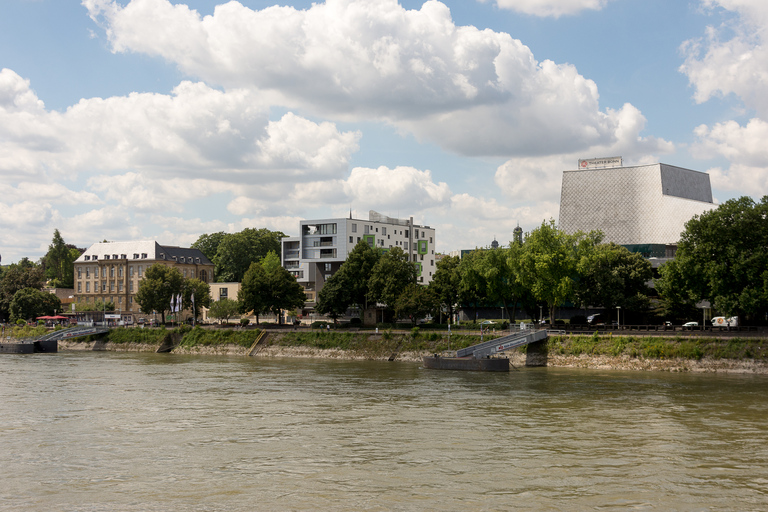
<point x="721" y="321"/>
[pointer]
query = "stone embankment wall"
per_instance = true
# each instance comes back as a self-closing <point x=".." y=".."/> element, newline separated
<point x="372" y="350"/>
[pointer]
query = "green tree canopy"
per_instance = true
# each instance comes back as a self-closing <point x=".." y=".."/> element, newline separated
<point x="349" y="285"/>
<point x="268" y="287"/>
<point x="18" y="276"/>
<point x="334" y="298"/>
<point x="159" y="285"/>
<point x="549" y="261"/>
<point x="59" y="262"/>
<point x="722" y="257"/>
<point x="391" y="274"/>
<point x="208" y="244"/>
<point x="201" y="292"/>
<point x="610" y="276"/>
<point x="415" y="302"/>
<point x="445" y="283"/>
<point x="224" y="309"/>
<point x="29" y="303"/>
<point x="236" y="251"/>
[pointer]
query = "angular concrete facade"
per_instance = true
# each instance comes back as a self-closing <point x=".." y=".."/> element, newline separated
<point x="644" y="204"/>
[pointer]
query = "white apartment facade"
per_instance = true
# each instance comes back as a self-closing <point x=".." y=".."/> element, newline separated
<point x="323" y="245"/>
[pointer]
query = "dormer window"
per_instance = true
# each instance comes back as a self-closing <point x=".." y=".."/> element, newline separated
<point x="95" y="257"/>
<point x="114" y="256"/>
<point x="197" y="260"/>
<point x="135" y="255"/>
<point x="106" y="256"/>
<point x="162" y="256"/>
<point x="182" y="259"/>
<point x="87" y="258"/>
<point x="123" y="257"/>
<point x="143" y="255"/>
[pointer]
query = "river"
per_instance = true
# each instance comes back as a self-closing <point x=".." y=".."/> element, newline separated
<point x="100" y="431"/>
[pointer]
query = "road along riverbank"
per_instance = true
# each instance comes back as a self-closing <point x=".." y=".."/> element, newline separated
<point x="652" y="353"/>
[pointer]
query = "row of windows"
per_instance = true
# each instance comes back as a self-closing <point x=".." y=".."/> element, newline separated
<point x="104" y="285"/>
<point x="87" y="300"/>
<point x="95" y="257"/>
<point x="368" y="230"/>
<point x="140" y="269"/>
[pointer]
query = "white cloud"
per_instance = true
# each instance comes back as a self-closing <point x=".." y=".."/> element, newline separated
<point x="732" y="58"/>
<point x="196" y="132"/>
<point x="746" y="149"/>
<point x="539" y="178"/>
<point x="553" y="8"/>
<point x="471" y="91"/>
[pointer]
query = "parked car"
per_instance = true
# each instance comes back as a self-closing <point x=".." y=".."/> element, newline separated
<point x="488" y="322"/>
<point x="691" y="324"/>
<point x="595" y="319"/>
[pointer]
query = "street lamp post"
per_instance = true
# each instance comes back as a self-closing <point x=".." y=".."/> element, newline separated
<point x="618" y="316"/>
<point x="541" y="314"/>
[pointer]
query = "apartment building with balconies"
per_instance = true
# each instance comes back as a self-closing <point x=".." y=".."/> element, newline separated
<point x="323" y="245"/>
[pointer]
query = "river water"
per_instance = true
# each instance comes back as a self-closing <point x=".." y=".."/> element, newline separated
<point x="146" y="432"/>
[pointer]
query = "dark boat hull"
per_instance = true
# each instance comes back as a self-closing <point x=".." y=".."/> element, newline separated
<point x="466" y="364"/>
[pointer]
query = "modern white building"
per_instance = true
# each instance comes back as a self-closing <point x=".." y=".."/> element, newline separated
<point x="643" y="207"/>
<point x="323" y="245"/>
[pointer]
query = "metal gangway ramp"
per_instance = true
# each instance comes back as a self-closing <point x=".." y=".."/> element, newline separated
<point x="72" y="332"/>
<point x="491" y="347"/>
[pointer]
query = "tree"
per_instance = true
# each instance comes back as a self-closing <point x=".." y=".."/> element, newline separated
<point x="96" y="305"/>
<point x="722" y="257"/>
<point x="268" y="287"/>
<point x="59" y="262"/>
<point x="201" y="292"/>
<point x="236" y="252"/>
<point x="29" y="303"/>
<point x="335" y="298"/>
<point x="548" y="262"/>
<point x="611" y="276"/>
<point x="224" y="309"/>
<point x="157" y="289"/>
<point x="209" y="244"/>
<point x="415" y="301"/>
<point x="445" y="283"/>
<point x="472" y="287"/>
<point x="17" y="276"/>
<point x="391" y="274"/>
<point x="253" y="291"/>
<point x="349" y="285"/>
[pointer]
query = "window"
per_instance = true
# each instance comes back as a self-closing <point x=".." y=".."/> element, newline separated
<point x="327" y="267"/>
<point x="141" y="268"/>
<point x="432" y="263"/>
<point x="119" y="300"/>
<point x="354" y="228"/>
<point x="87" y="287"/>
<point x="377" y="230"/>
<point x="130" y="286"/>
<point x="405" y="245"/>
<point x="79" y="275"/>
<point x="383" y="231"/>
<point x="185" y="273"/>
<point x="135" y="255"/>
<point x="120" y="287"/>
<point x="112" y="286"/>
<point x="106" y="256"/>
<point x="430" y="239"/>
<point x="143" y="255"/>
<point x="87" y="258"/>
<point x="367" y="229"/>
<point x="103" y="286"/>
<point x="130" y="271"/>
<point x="111" y="271"/>
<point x="358" y="239"/>
<point x="350" y="239"/>
<point x="421" y="257"/>
<point x="123" y="256"/>
<point x="223" y="293"/>
<point x="95" y="257"/>
<point x="79" y="287"/>
<point x="119" y="271"/>
<point x="87" y="272"/>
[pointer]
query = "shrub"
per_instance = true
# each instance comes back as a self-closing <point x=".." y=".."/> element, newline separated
<point x="244" y="321"/>
<point x="415" y="332"/>
<point x="355" y="321"/>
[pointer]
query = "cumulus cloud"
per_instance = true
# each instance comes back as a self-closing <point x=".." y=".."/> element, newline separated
<point x="744" y="147"/>
<point x="732" y="58"/>
<point x="539" y="178"/>
<point x="550" y="8"/>
<point x="195" y="132"/>
<point x="471" y="91"/>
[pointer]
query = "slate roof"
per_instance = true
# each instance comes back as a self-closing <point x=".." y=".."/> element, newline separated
<point x="142" y="250"/>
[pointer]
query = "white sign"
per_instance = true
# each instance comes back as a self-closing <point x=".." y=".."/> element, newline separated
<point x="112" y="317"/>
<point x="600" y="163"/>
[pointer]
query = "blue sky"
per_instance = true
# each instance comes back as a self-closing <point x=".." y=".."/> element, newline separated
<point x="158" y="119"/>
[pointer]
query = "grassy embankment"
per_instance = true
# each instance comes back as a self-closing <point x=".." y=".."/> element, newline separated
<point x="365" y="342"/>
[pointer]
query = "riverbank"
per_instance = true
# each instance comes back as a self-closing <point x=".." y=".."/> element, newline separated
<point x="637" y="353"/>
